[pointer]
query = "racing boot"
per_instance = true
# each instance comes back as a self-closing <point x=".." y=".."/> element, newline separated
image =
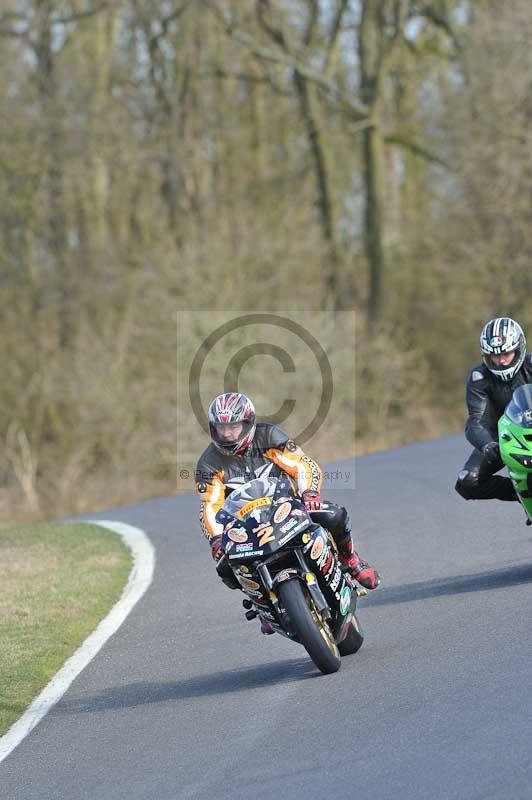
<point x="367" y="576"/>
<point x="251" y="613"/>
<point x="266" y="628"/>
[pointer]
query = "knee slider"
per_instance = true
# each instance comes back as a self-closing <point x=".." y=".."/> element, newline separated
<point x="226" y="574"/>
<point x="339" y="524"/>
<point x="467" y="482"/>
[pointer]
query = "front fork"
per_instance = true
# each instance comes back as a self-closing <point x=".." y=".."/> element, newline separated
<point x="322" y="606"/>
<point x="304" y="575"/>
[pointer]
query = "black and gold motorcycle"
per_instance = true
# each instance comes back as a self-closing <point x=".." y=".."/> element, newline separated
<point x="288" y="567"/>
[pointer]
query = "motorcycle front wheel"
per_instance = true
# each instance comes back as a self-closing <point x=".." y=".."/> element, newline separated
<point x="313" y="633"/>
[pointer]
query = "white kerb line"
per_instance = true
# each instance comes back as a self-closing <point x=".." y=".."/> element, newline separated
<point x="140" y="578"/>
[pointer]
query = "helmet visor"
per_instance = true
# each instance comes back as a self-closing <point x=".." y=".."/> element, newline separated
<point x="231" y="435"/>
<point x="502" y="361"/>
<point x="229" y="432"/>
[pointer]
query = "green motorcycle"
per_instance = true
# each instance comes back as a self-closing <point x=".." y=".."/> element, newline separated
<point x="515" y="442"/>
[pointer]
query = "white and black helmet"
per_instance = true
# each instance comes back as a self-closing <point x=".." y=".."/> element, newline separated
<point x="503" y="335"/>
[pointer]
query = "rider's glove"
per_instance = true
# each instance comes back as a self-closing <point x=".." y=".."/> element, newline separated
<point x="491" y="452"/>
<point x="311" y="499"/>
<point x="217" y="550"/>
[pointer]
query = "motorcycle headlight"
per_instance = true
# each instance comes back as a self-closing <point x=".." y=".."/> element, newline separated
<point x="525" y="461"/>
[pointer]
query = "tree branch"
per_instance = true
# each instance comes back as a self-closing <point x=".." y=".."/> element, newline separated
<point x="7" y="16"/>
<point x="16" y="15"/>
<point x="404" y="141"/>
<point x="16" y="34"/>
<point x="244" y="76"/>
<point x="356" y="110"/>
<point x="399" y="14"/>
<point x="333" y="37"/>
<point x="312" y="21"/>
<point x="440" y="19"/>
<point x="90" y="12"/>
<point x="262" y="7"/>
<point x="167" y="21"/>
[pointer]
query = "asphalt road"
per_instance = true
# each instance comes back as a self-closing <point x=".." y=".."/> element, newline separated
<point x="188" y="700"/>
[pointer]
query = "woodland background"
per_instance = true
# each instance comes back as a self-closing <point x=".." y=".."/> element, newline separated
<point x="157" y="156"/>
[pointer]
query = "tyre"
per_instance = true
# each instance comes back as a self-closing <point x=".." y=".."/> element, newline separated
<point x="313" y="633"/>
<point x="354" y="639"/>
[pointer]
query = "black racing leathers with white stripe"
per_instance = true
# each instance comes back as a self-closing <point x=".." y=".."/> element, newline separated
<point x="487" y="397"/>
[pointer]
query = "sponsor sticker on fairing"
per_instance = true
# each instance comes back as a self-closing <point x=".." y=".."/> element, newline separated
<point x="247" y="553"/>
<point x="297" y="529"/>
<point x="285" y="574"/>
<point x="325" y="561"/>
<point x="286" y="538"/>
<point x="345" y="600"/>
<point x="248" y="583"/>
<point x="238" y="535"/>
<point x="301" y="526"/>
<point x="336" y="578"/>
<point x="243" y="547"/>
<point x="317" y="547"/>
<point x="282" y="512"/>
<point x="288" y="525"/>
<point x="249" y="507"/>
<point x="261" y="527"/>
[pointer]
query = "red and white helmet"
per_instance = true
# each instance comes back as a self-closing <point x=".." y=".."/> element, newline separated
<point x="232" y="408"/>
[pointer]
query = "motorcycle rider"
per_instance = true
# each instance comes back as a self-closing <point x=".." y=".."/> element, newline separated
<point x="490" y="385"/>
<point x="241" y="447"/>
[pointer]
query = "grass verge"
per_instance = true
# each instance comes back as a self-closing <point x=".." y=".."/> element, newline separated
<point x="57" y="582"/>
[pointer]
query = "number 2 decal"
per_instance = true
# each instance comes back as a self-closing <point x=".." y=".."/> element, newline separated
<point x="266" y="536"/>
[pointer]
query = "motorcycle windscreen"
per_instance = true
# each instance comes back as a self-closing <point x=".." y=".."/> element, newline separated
<point x="519" y="409"/>
<point x="253" y="500"/>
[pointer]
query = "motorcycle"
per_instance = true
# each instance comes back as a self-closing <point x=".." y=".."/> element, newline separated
<point x="515" y="443"/>
<point x="288" y="567"/>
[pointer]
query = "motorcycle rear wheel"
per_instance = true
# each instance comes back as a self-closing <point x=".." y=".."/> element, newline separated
<point x="313" y="633"/>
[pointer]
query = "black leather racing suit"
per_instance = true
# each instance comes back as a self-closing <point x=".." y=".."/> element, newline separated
<point x="487" y="397"/>
<point x="274" y="451"/>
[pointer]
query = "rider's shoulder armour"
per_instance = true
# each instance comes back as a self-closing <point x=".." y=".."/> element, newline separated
<point x="479" y="373"/>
